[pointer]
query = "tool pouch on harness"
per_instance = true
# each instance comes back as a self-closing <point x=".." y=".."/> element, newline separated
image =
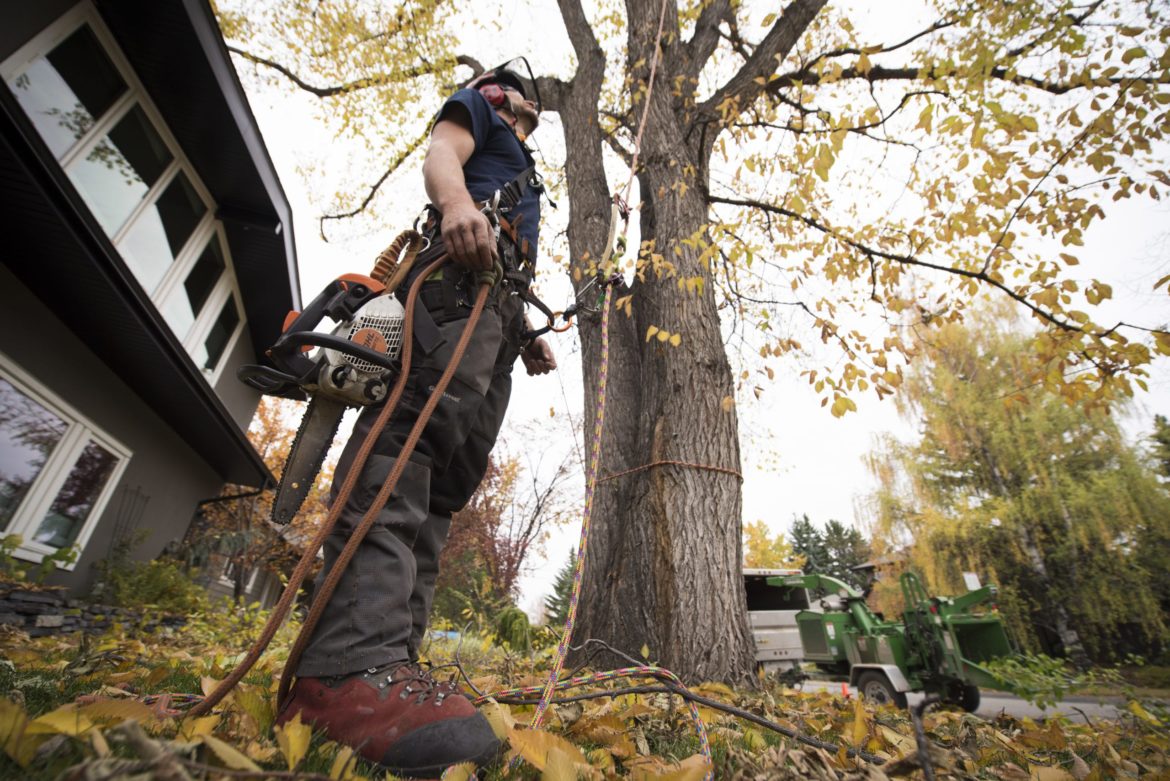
<point x="448" y="295"/>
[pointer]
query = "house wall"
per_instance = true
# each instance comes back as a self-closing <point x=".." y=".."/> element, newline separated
<point x="30" y="20"/>
<point x="162" y="466"/>
<point x="241" y="400"/>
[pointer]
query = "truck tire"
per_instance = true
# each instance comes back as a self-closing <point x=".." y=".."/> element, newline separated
<point x="876" y="688"/>
<point x="969" y="700"/>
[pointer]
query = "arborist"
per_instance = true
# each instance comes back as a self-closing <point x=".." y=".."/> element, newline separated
<point x="359" y="679"/>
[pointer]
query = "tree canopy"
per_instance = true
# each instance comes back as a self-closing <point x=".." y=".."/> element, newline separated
<point x="1045" y="500"/>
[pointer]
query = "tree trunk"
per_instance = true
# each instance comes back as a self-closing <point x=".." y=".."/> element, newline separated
<point x="663" y="567"/>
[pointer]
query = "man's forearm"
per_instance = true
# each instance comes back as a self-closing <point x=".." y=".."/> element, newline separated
<point x="443" y="179"/>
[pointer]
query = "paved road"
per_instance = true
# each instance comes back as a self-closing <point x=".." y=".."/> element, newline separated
<point x="993" y="703"/>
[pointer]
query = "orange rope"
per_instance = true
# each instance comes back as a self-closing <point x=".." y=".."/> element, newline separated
<point x="708" y="467"/>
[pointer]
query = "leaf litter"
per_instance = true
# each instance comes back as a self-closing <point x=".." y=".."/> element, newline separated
<point x="64" y="717"/>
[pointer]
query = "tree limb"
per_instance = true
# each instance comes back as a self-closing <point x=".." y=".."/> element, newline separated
<point x="702" y="44"/>
<point x="397" y="162"/>
<point x="804" y="77"/>
<point x="378" y="80"/>
<point x="746" y="84"/>
<point x="912" y="260"/>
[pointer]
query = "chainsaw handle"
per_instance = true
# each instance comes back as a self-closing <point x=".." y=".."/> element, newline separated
<point x="293" y="341"/>
<point x="271" y="382"/>
<point x="340" y="300"/>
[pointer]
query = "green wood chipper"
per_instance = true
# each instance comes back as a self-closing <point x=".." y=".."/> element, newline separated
<point x="939" y="646"/>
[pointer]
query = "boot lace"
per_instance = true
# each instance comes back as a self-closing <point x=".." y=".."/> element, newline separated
<point x="418" y="681"/>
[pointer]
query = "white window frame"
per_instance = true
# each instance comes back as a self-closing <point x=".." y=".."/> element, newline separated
<point x="60" y="462"/>
<point x="226" y="579"/>
<point x="208" y="228"/>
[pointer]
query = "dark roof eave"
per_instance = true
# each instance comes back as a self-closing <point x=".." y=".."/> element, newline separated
<point x="67" y="289"/>
<point x="211" y="40"/>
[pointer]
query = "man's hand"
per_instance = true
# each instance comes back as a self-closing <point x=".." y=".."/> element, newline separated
<point x="467" y="233"/>
<point x="538" y="357"/>
<point x="469" y="238"/>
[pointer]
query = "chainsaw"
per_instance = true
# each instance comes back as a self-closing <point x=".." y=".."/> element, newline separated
<point x="353" y="366"/>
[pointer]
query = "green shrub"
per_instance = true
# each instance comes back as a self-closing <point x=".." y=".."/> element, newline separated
<point x="162" y="584"/>
<point x="513" y="629"/>
<point x="14" y="569"/>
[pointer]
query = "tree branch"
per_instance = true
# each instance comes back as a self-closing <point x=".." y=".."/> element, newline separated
<point x="379" y="80"/>
<point x="397" y="162"/>
<point x="911" y="260"/>
<point x="804" y="77"/>
<point x="702" y="44"/>
<point x="785" y="32"/>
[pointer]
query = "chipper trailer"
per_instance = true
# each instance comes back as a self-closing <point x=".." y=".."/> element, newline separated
<point x="938" y="647"/>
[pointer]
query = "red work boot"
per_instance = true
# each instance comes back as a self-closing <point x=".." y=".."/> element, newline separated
<point x="397" y="716"/>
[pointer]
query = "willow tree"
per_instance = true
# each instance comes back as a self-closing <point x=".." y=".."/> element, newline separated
<point x="1046" y="500"/>
<point x="787" y="167"/>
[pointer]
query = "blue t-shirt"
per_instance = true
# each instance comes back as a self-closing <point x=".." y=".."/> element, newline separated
<point x="499" y="158"/>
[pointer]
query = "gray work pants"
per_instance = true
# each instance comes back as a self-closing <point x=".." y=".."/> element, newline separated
<point x="379" y="611"/>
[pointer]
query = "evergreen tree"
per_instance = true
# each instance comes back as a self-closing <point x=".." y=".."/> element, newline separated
<point x="809" y="544"/>
<point x="556" y="604"/>
<point x="845" y="548"/>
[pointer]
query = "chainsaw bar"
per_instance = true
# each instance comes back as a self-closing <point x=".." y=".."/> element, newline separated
<point x="313" y="440"/>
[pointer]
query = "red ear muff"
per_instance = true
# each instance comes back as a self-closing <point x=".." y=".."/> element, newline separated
<point x="494" y="94"/>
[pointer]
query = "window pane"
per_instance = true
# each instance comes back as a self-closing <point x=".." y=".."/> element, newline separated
<point x="161" y="231"/>
<point x="71" y="508"/>
<point x="184" y="306"/>
<point x="65" y="92"/>
<point x="213" y="346"/>
<point x="28" y="434"/>
<point x="116" y="174"/>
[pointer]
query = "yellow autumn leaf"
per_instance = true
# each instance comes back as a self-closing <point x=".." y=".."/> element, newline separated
<point x="462" y="772"/>
<point x="663" y="336"/>
<point x="66" y="720"/>
<point x="727" y="403"/>
<point x="13" y="721"/>
<point x="715" y="690"/>
<point x="1131" y="54"/>
<point x="534" y="746"/>
<point x="645" y="651"/>
<point x="195" y="728"/>
<point x="343" y="764"/>
<point x="293" y="738"/>
<point x="841" y="405"/>
<point x="208" y="684"/>
<point x="118" y="711"/>
<point x="675" y="340"/>
<point x="897" y="740"/>
<point x="1136" y="709"/>
<point x="860" y="727"/>
<point x="256" y="702"/>
<point x="559" y="767"/>
<point x="651" y="331"/>
<point x="499" y="717"/>
<point x="753" y="740"/>
<point x="229" y="755"/>
<point x="1042" y="773"/>
<point x="693" y="768"/>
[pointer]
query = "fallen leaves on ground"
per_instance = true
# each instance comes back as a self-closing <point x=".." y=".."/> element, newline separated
<point x="64" y="715"/>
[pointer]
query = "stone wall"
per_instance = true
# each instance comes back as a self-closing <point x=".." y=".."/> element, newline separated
<point x="46" y="611"/>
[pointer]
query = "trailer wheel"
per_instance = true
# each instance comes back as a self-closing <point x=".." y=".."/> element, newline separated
<point x="969" y="700"/>
<point x="876" y="688"/>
